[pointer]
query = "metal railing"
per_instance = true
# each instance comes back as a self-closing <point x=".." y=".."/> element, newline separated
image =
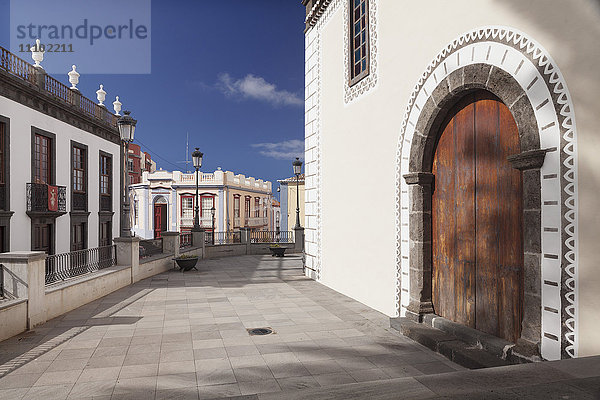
<point x="150" y="247"/>
<point x="36" y="197"/>
<point x="208" y="237"/>
<point x="272" y="237"/>
<point x="76" y="263"/>
<point x="1" y="281"/>
<point x="223" y="237"/>
<point x="185" y="240"/>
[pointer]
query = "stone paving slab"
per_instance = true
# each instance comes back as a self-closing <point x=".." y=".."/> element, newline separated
<point x="184" y="336"/>
<point x="567" y="379"/>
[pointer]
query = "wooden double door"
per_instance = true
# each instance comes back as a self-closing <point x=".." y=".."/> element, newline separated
<point x="477" y="275"/>
<point x="160" y="220"/>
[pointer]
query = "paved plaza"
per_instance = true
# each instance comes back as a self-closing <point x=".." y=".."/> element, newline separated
<point x="184" y="335"/>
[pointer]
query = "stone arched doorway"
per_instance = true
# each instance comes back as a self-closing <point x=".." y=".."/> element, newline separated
<point x="477" y="252"/>
<point x="521" y="74"/>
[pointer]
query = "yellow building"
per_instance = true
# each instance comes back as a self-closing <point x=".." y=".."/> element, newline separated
<point x="288" y="202"/>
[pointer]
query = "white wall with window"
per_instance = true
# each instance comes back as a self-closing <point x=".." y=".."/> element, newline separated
<point x="22" y="120"/>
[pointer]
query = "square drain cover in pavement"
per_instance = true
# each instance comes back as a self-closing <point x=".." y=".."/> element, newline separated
<point x="260" y="331"/>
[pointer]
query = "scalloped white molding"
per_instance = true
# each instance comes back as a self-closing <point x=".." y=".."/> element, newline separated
<point x="313" y="62"/>
<point x="370" y="81"/>
<point x="537" y="73"/>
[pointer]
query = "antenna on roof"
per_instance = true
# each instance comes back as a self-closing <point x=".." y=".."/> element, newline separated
<point x="187" y="161"/>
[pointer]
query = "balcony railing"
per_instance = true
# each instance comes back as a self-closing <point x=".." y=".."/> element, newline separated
<point x="272" y="237"/>
<point x="185" y="240"/>
<point x="76" y="263"/>
<point x="17" y="66"/>
<point x="58" y="89"/>
<point x="222" y="237"/>
<point x="42" y="199"/>
<point x="150" y="247"/>
<point x="186" y="221"/>
<point x="202" y="177"/>
<point x="205" y="222"/>
<point x="257" y="221"/>
<point x="22" y="69"/>
<point x="236" y="222"/>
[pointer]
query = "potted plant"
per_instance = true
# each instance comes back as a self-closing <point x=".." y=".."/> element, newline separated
<point x="186" y="262"/>
<point x="277" y="250"/>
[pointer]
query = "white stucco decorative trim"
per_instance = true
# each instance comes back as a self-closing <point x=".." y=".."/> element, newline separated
<point x="370" y="81"/>
<point x="312" y="137"/>
<point x="324" y="10"/>
<point x="316" y="11"/>
<point x="539" y="76"/>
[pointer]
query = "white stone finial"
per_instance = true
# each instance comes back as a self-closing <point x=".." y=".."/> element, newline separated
<point x="101" y="95"/>
<point x="37" y="53"/>
<point x="73" y="78"/>
<point x="117" y="106"/>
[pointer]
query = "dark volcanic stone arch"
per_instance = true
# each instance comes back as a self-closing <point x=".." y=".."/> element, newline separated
<point x="517" y="70"/>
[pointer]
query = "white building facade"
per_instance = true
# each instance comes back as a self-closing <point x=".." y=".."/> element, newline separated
<point x="165" y="201"/>
<point x="382" y="80"/>
<point x="60" y="164"/>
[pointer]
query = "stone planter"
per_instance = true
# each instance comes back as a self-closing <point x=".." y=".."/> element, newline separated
<point x="186" y="264"/>
<point x="277" y="251"/>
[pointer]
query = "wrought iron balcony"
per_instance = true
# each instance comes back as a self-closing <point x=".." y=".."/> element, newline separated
<point x="42" y="198"/>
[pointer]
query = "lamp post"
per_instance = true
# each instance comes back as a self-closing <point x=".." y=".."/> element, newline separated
<point x="297" y="164"/>
<point x="197" y="159"/>
<point x="126" y="126"/>
<point x="212" y="212"/>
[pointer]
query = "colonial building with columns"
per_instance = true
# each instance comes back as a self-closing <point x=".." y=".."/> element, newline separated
<point x="165" y="201"/>
<point x="476" y="125"/>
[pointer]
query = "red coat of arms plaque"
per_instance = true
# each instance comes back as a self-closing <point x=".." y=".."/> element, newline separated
<point x="52" y="198"/>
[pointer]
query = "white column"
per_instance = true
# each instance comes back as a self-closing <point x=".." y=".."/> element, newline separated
<point x="221" y="211"/>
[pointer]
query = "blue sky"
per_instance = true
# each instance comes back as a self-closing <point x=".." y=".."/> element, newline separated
<point x="229" y="72"/>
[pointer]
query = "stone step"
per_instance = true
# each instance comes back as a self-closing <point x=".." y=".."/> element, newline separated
<point x="454" y="347"/>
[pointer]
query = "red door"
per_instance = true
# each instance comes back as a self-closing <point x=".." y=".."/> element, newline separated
<point x="477" y="219"/>
<point x="160" y="219"/>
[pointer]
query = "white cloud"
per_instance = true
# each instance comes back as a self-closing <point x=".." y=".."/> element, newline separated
<point x="286" y="150"/>
<point x="255" y="87"/>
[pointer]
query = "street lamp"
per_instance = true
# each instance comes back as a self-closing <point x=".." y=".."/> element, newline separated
<point x="297" y="164"/>
<point x="212" y="212"/>
<point x="126" y="126"/>
<point x="197" y="159"/>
